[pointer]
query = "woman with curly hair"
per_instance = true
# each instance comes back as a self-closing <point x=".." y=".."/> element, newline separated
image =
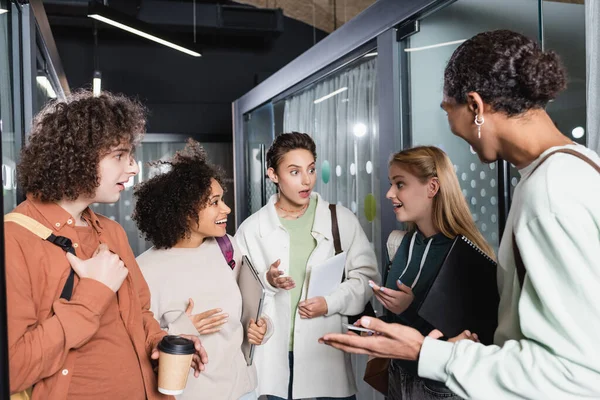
<point x="79" y="325"/>
<point x="183" y="214"/>
<point x="496" y="87"/>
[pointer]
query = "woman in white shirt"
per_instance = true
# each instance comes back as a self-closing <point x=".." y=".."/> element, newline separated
<point x="284" y="240"/>
<point x="191" y="269"/>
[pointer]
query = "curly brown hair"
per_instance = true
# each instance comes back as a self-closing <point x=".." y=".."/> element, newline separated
<point x="69" y="138"/>
<point x="169" y="202"/>
<point x="509" y="71"/>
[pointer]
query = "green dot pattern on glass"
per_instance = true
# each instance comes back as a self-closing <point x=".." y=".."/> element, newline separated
<point x="325" y="171"/>
<point x="370" y="207"/>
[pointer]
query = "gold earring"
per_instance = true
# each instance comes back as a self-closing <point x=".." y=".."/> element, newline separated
<point x="479" y="123"/>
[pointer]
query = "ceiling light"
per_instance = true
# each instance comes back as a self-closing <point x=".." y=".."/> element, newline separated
<point x="97" y="84"/>
<point x="45" y="83"/>
<point x="433" y="46"/>
<point x="578" y="132"/>
<point x="360" y="129"/>
<point x="3" y="10"/>
<point x="330" y="95"/>
<point x="133" y="25"/>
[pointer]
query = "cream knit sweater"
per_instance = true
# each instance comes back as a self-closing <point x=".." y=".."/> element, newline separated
<point x="175" y="275"/>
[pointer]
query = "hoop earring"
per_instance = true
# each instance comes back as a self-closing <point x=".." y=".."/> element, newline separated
<point x="479" y="123"/>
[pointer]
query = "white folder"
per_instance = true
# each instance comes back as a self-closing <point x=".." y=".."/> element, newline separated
<point x="253" y="297"/>
<point x="326" y="277"/>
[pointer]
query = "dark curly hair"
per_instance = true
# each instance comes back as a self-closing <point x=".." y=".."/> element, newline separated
<point x="168" y="202"/>
<point x="69" y="138"/>
<point x="287" y="142"/>
<point x="508" y="70"/>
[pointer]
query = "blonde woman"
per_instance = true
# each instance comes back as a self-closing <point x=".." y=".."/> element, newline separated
<point x="426" y="195"/>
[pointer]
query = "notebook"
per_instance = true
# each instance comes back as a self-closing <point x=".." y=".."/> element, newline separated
<point x="253" y="297"/>
<point x="464" y="294"/>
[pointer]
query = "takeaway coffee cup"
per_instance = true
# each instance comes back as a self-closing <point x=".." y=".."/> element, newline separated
<point x="174" y="364"/>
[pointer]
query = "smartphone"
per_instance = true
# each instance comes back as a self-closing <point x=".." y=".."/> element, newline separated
<point x="359" y="329"/>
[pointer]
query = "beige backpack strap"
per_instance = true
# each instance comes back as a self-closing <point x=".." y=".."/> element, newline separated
<point x="29" y="223"/>
<point x="393" y="242"/>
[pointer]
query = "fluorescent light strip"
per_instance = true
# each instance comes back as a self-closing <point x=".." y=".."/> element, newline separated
<point x="2" y="11"/>
<point x="433" y="46"/>
<point x="143" y="34"/>
<point x="45" y="83"/>
<point x="97" y="85"/>
<point x="330" y="95"/>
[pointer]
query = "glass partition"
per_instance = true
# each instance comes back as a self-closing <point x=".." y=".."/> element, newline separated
<point x="8" y="132"/>
<point x="340" y="113"/>
<point x="428" y="51"/>
<point x="564" y="32"/>
<point x="258" y="126"/>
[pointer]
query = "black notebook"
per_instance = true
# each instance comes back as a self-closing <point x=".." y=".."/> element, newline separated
<point x="464" y="294"/>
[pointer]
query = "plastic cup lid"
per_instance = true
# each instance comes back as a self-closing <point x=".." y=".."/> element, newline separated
<point x="176" y="345"/>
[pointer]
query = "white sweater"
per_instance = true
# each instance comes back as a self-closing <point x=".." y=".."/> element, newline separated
<point x="174" y="275"/>
<point x="548" y="338"/>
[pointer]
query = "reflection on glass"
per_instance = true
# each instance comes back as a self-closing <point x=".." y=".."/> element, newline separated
<point x="340" y="113"/>
<point x="258" y="126"/>
<point x="7" y="126"/>
<point x="428" y="51"/>
<point x="564" y="33"/>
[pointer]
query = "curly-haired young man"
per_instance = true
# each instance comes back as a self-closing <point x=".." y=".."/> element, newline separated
<point x="100" y="343"/>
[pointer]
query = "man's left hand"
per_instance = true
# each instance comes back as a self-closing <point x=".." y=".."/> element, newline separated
<point x="391" y="341"/>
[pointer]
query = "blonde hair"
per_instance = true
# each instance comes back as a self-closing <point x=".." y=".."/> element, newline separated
<point x="451" y="214"/>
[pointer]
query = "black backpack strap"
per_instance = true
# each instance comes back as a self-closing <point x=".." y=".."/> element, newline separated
<point x="67" y="245"/>
<point x="335" y="231"/>
<point x="45" y="233"/>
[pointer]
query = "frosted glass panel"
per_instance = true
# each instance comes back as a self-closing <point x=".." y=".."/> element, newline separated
<point x="340" y="113"/>
<point x="428" y="52"/>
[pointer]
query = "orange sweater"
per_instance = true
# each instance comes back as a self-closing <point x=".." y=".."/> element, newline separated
<point x="98" y="344"/>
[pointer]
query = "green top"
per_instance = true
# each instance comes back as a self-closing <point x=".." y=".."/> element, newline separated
<point x="302" y="244"/>
<point x="440" y="245"/>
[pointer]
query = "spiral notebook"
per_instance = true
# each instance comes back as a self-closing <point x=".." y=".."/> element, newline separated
<point x="464" y="293"/>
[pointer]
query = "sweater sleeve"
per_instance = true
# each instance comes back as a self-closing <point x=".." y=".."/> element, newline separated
<point x="559" y="356"/>
<point x="361" y="266"/>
